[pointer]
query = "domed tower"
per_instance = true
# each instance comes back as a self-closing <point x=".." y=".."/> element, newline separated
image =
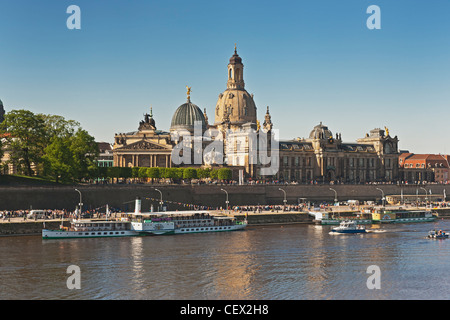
<point x="235" y="105"/>
<point x="322" y="138"/>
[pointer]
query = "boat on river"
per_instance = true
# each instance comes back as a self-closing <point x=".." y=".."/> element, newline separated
<point x="152" y="223"/>
<point x="434" y="234"/>
<point x="91" y="229"/>
<point x="181" y="222"/>
<point x="402" y="216"/>
<point x="373" y="215"/>
<point x="348" y="226"/>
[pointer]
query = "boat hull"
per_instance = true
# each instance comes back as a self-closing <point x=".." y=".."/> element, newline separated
<point x="405" y="220"/>
<point x="438" y="237"/>
<point x="210" y="229"/>
<point x="337" y="222"/>
<point x="62" y="234"/>
<point x="349" y="231"/>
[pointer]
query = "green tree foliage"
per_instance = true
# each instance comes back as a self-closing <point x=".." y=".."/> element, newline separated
<point x="53" y="145"/>
<point x="25" y="137"/>
<point x="203" y="173"/>
<point x="58" y="160"/>
<point x="189" y="173"/>
<point x="224" y="174"/>
<point x="84" y="151"/>
<point x="214" y="174"/>
<point x="153" y="173"/>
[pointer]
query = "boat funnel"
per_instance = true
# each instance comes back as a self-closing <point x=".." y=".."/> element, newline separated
<point x="137" y="208"/>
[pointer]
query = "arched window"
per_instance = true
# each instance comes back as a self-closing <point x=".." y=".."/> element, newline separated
<point x="230" y="76"/>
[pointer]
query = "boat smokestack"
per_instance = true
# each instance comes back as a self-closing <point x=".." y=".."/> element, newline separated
<point x="137" y="208"/>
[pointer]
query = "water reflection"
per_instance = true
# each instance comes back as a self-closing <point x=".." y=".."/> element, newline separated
<point x="267" y="262"/>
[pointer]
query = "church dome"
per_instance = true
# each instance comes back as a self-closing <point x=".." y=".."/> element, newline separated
<point x="185" y="117"/>
<point x="320" y="132"/>
<point x="235" y="58"/>
<point x="237" y="105"/>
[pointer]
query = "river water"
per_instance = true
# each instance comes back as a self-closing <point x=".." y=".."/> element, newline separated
<point x="289" y="262"/>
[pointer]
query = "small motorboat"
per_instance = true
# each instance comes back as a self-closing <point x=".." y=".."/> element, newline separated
<point x="349" y="226"/>
<point x="434" y="234"/>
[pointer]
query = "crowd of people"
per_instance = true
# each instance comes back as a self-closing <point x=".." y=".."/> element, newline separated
<point x="52" y="214"/>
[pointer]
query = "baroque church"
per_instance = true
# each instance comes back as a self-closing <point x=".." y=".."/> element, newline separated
<point x="321" y="157"/>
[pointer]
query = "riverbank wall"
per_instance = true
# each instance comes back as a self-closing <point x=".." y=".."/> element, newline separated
<point x="28" y="227"/>
<point x="276" y="218"/>
<point x="24" y="228"/>
<point x="178" y="197"/>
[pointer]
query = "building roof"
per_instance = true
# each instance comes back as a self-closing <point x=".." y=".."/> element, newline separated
<point x="185" y="117"/>
<point x="427" y="159"/>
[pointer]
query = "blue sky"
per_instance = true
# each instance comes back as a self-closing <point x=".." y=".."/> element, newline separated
<point x="310" y="61"/>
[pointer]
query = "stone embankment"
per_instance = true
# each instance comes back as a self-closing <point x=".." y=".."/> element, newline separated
<point x="122" y="196"/>
<point x="19" y="227"/>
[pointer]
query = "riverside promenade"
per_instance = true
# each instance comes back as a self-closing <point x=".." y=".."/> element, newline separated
<point x="20" y="226"/>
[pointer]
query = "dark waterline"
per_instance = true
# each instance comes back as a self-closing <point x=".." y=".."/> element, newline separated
<point x="268" y="262"/>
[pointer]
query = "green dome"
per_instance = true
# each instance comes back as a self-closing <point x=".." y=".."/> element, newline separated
<point x="185" y="117"/>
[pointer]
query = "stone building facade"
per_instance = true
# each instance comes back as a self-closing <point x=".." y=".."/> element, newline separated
<point x="321" y="157"/>
<point x="146" y="147"/>
<point x="419" y="168"/>
<point x="324" y="157"/>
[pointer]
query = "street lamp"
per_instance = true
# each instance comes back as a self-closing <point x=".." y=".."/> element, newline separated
<point x="226" y="202"/>
<point x="161" y="201"/>
<point x="426" y="195"/>
<point x="382" y="195"/>
<point x="80" y="204"/>
<point x="335" y="195"/>
<point x="284" y="201"/>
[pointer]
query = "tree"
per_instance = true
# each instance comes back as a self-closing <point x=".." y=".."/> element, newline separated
<point x="142" y="172"/>
<point x="84" y="151"/>
<point x="189" y="173"/>
<point x="213" y="174"/>
<point x="153" y="173"/>
<point x="71" y="157"/>
<point x="58" y="160"/>
<point x="26" y="138"/>
<point x="135" y="172"/>
<point x="58" y="126"/>
<point x="203" y="173"/>
<point x="224" y="174"/>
